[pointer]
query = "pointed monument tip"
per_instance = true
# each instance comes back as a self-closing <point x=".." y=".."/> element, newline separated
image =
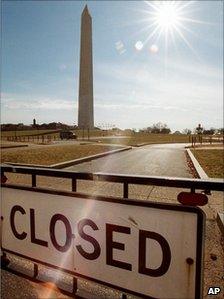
<point x="86" y="9"/>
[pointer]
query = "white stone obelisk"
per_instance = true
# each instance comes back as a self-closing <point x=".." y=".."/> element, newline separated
<point x="85" y="113"/>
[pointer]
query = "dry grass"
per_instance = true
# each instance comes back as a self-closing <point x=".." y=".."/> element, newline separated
<point x="211" y="160"/>
<point x="47" y="155"/>
<point x="206" y="145"/>
<point x="139" y="138"/>
<point x="25" y="133"/>
<point x="79" y="133"/>
<point x="127" y="138"/>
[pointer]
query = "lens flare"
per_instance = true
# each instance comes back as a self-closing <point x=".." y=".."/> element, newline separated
<point x="169" y="19"/>
<point x="138" y="45"/>
<point x="154" y="49"/>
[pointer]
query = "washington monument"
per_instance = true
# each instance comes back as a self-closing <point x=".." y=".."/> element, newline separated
<point x="85" y="114"/>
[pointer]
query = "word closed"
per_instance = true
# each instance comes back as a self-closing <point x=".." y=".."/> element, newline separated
<point x="139" y="247"/>
<point x="110" y="244"/>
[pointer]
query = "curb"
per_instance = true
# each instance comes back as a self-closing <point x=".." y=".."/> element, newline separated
<point x="26" y="165"/>
<point x="156" y="143"/>
<point x="72" y="162"/>
<point x="220" y="222"/>
<point x="13" y="146"/>
<point x="141" y="144"/>
<point x="89" y="158"/>
<point x="201" y="173"/>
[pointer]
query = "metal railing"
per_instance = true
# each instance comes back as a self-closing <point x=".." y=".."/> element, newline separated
<point x="126" y="180"/>
<point x="203" y="139"/>
<point x="186" y="183"/>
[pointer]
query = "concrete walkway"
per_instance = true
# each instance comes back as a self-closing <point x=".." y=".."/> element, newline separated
<point x="152" y="160"/>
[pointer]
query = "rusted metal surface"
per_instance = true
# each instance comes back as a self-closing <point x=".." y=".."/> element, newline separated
<point x="192" y="198"/>
<point x="199" y="184"/>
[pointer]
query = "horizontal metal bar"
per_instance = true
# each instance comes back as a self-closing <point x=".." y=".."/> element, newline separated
<point x="208" y="184"/>
<point x="36" y="280"/>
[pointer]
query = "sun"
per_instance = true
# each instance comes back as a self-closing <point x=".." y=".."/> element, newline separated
<point x="167" y="16"/>
<point x="170" y="19"/>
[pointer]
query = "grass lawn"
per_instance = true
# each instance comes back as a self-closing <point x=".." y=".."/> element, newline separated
<point x="79" y="133"/>
<point x="25" y="133"/>
<point x="139" y="138"/>
<point x="47" y="155"/>
<point x="211" y="160"/>
<point x="127" y="138"/>
<point x="217" y="144"/>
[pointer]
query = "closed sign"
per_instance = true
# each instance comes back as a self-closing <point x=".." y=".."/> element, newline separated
<point x="148" y="249"/>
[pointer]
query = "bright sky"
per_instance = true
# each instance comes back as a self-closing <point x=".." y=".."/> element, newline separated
<point x="152" y="62"/>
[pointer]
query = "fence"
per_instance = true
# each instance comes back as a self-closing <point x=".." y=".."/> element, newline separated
<point x="32" y="138"/>
<point x="200" y="139"/>
<point x="39" y="137"/>
<point x="125" y="180"/>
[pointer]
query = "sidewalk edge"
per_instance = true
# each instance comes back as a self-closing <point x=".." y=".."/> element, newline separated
<point x="72" y="162"/>
<point x="200" y="171"/>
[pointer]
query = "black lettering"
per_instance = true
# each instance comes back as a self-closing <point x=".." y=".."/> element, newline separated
<point x="96" y="253"/>
<point x="68" y="229"/>
<point x="32" y="231"/>
<point x="110" y="245"/>
<point x="166" y="258"/>
<point x="19" y="236"/>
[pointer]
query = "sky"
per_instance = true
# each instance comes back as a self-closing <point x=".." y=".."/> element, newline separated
<point x="151" y="62"/>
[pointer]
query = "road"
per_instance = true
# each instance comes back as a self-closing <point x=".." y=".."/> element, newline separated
<point x="152" y="160"/>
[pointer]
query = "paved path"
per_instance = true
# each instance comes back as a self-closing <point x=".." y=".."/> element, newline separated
<point x="151" y="160"/>
<point x="155" y="160"/>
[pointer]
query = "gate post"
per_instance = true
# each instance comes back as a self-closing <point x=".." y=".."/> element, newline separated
<point x="75" y="285"/>
<point x="74" y="185"/>
<point x="34" y="182"/>
<point x="35" y="270"/>
<point x="125" y="191"/>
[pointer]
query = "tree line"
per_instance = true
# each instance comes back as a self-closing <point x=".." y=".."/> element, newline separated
<point x="157" y="128"/>
<point x="44" y="126"/>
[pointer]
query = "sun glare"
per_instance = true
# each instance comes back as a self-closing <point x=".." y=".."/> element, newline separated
<point x="167" y="16"/>
<point x="169" y="19"/>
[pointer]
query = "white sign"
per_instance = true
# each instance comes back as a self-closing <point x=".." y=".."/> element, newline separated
<point x="145" y="248"/>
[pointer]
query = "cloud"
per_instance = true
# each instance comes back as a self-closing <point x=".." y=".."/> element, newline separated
<point x="182" y="95"/>
<point x="133" y="106"/>
<point x="17" y="102"/>
<point x="14" y="102"/>
<point x="202" y="71"/>
<point x="135" y="94"/>
<point x="136" y="83"/>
